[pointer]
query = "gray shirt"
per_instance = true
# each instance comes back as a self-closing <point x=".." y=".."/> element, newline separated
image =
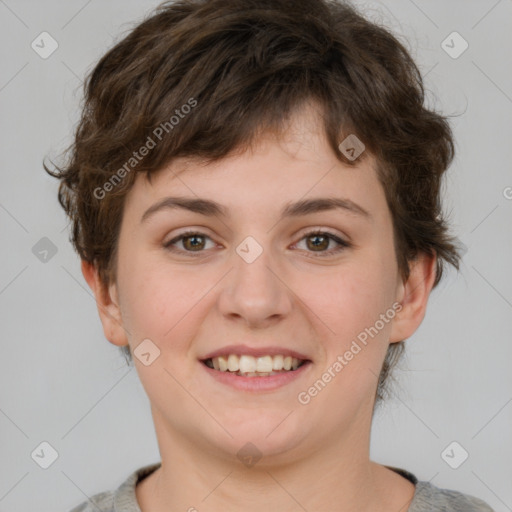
<point x="427" y="497"/>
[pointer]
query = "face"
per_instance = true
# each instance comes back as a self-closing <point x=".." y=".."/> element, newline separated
<point x="310" y="282"/>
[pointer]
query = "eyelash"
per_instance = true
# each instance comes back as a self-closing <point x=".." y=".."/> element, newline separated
<point x="343" y="244"/>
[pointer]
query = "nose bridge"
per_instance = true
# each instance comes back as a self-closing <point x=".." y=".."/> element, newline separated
<point x="254" y="289"/>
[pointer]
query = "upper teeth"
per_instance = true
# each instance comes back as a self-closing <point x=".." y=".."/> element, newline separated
<point x="246" y="363"/>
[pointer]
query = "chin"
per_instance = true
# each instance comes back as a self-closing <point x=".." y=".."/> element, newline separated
<point x="270" y="435"/>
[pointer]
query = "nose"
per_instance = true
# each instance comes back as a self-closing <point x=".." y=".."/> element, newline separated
<point x="256" y="292"/>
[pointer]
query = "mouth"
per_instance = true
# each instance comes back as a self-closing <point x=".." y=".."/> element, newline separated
<point x="249" y="366"/>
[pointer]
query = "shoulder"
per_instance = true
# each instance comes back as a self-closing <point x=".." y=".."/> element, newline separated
<point x="429" y="498"/>
<point x="123" y="498"/>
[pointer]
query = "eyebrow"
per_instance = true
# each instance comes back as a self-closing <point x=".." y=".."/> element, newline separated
<point x="211" y="208"/>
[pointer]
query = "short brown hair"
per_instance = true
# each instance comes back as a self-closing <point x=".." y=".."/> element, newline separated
<point x="247" y="65"/>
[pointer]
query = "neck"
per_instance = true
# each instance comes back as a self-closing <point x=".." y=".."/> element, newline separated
<point x="335" y="470"/>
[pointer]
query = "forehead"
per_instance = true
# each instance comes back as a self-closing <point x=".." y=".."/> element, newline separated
<point x="275" y="170"/>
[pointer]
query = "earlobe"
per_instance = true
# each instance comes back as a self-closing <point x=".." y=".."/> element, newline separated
<point x="107" y="303"/>
<point x="413" y="295"/>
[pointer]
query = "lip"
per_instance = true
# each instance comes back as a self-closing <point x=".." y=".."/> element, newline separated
<point x="257" y="384"/>
<point x="240" y="350"/>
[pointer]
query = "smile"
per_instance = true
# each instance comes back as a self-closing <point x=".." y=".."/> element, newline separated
<point x="243" y="373"/>
<point x="249" y="366"/>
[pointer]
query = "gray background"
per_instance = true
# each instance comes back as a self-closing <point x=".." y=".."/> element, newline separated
<point x="63" y="383"/>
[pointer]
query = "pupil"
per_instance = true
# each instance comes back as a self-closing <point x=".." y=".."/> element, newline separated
<point x="315" y="244"/>
<point x="194" y="237"/>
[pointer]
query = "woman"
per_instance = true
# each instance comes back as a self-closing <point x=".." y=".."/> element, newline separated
<point x="255" y="191"/>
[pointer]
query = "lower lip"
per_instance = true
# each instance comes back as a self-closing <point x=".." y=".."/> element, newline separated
<point x="257" y="383"/>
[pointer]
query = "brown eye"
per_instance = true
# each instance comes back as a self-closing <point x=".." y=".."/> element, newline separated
<point x="318" y="242"/>
<point x="192" y="242"/>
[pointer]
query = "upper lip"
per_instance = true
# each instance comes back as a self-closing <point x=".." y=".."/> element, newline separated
<point x="255" y="352"/>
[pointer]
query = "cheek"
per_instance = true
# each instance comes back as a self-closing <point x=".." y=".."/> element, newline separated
<point x="160" y="301"/>
<point x="352" y="306"/>
<point x="351" y="298"/>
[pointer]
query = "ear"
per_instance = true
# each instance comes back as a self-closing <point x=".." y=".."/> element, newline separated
<point x="108" y="305"/>
<point x="413" y="294"/>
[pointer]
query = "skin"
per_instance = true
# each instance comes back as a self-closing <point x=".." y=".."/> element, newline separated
<point x="314" y="455"/>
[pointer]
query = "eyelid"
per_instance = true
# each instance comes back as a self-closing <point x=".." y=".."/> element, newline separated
<point x="187" y="233"/>
<point x="341" y="240"/>
<point x="322" y="229"/>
